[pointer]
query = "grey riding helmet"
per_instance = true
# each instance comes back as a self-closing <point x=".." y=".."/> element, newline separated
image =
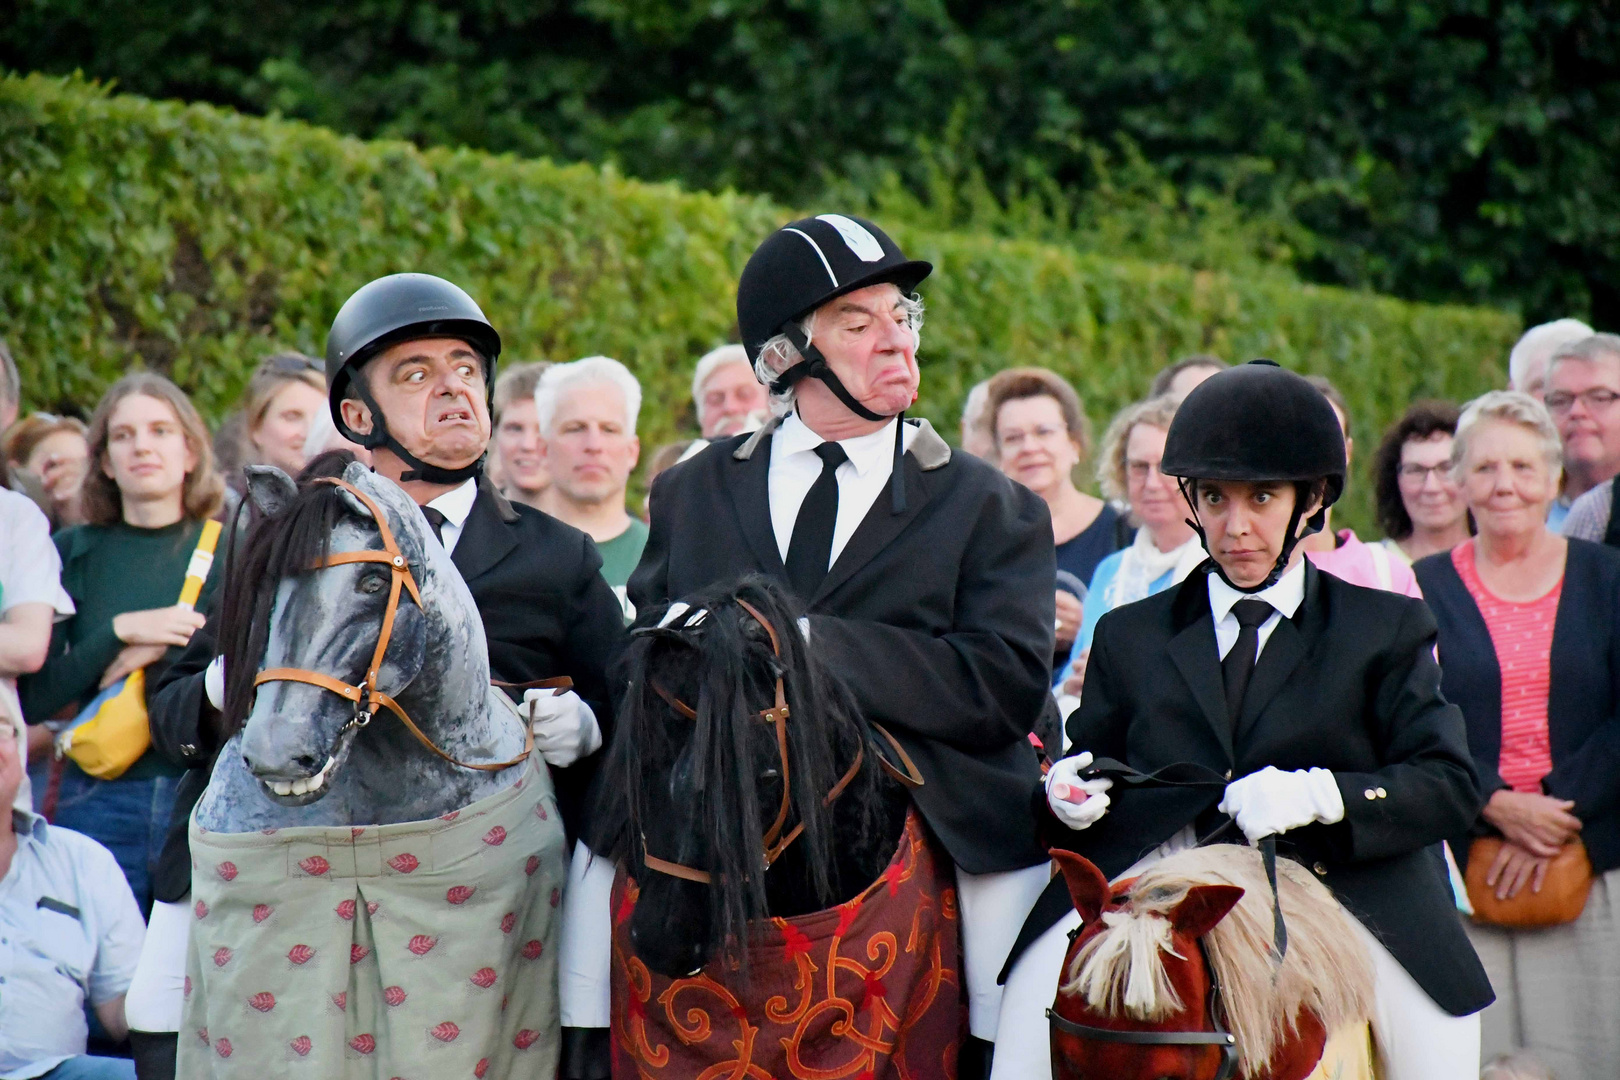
<point x="389" y="310"/>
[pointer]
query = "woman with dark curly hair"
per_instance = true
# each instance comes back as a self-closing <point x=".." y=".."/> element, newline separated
<point x="1420" y="506"/>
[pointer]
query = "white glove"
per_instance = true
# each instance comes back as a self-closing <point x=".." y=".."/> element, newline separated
<point x="565" y="728"/>
<point x="1272" y="801"/>
<point x="1077" y="803"/>
<point x="214" y="683"/>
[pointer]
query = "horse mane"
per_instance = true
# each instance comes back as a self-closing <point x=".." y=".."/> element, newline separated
<point x="1326" y="971"/>
<point x="729" y="658"/>
<point x="271" y="547"/>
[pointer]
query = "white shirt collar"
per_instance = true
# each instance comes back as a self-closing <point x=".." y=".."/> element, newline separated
<point x="1285" y="595"/>
<point x="866" y="452"/>
<point x="456" y="503"/>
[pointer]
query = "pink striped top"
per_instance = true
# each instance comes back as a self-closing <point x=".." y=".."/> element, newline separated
<point x="1522" y="635"/>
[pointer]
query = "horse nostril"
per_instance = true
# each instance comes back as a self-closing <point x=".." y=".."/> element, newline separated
<point x="307" y="763"/>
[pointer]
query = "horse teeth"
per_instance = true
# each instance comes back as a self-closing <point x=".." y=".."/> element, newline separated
<point x="300" y="787"/>
<point x="281" y="787"/>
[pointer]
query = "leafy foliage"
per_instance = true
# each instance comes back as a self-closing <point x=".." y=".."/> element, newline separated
<point x="194" y="240"/>
<point x="1456" y="150"/>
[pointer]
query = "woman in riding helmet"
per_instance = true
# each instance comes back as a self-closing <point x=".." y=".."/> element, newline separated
<point x="1316" y="700"/>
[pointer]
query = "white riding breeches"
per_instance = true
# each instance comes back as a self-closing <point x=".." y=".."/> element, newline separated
<point x="1023" y="1043"/>
<point x="1416" y="1039"/>
<point x="585" y="956"/>
<point x="993" y="908"/>
<point x="157" y="993"/>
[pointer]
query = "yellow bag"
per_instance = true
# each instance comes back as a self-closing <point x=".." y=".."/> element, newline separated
<point x="113" y="732"/>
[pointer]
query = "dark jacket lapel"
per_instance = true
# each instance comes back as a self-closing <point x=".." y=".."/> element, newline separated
<point x="1284" y="650"/>
<point x="485" y="539"/>
<point x="880" y="526"/>
<point x="1194" y="653"/>
<point x="749" y="488"/>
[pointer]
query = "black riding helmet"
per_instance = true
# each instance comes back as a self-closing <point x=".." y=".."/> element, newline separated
<point x="1258" y="422"/>
<point x="802" y="266"/>
<point x="387" y="311"/>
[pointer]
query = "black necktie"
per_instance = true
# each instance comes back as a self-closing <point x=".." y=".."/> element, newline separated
<point x="1239" y="662"/>
<point x="436" y="520"/>
<point x="810" y="550"/>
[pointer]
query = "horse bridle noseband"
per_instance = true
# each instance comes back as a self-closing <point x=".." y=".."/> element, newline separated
<point x="774" y="841"/>
<point x="1219" y="1036"/>
<point x="365" y="696"/>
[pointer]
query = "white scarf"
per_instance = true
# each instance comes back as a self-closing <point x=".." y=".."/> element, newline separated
<point x="1143" y="563"/>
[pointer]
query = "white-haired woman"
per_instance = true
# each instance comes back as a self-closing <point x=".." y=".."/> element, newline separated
<point x="1165" y="549"/>
<point x="1530" y="651"/>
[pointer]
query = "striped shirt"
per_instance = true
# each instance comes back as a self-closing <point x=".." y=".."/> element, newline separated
<point x="1522" y="634"/>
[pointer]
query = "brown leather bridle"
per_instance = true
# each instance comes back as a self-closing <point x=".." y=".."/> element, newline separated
<point x="365" y="696"/>
<point x="775" y="842"/>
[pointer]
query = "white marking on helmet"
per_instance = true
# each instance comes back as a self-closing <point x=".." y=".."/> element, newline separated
<point x="817" y="248"/>
<point x="859" y="240"/>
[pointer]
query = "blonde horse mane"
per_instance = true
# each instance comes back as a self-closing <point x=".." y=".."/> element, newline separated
<point x="1326" y="971"/>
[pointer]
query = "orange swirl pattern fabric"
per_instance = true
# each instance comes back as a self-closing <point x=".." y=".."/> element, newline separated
<point x="868" y="990"/>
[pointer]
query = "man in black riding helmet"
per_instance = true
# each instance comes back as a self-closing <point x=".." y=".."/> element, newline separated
<point x="410" y="369"/>
<point x="925" y="574"/>
<point x="1317" y="701"/>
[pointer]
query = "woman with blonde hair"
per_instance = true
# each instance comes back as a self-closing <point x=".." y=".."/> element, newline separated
<point x="150" y="487"/>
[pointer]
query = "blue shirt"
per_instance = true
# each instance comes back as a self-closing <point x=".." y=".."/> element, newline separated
<point x="1096" y="607"/>
<point x="70" y="931"/>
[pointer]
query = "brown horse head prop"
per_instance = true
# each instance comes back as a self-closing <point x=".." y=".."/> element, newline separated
<point x="1172" y="975"/>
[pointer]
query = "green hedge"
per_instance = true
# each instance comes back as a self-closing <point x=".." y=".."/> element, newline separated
<point x="193" y="240"/>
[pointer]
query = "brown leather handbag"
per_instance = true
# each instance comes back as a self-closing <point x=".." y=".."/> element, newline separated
<point x="1562" y="897"/>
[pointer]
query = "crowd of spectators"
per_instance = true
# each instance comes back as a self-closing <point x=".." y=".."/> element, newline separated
<point x="1500" y="512"/>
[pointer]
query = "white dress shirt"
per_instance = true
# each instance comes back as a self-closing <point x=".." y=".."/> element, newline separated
<point x="795" y="468"/>
<point x="455" y="505"/>
<point x="1284" y="596"/>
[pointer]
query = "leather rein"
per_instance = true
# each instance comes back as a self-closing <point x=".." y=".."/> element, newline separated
<point x="365" y="695"/>
<point x="775" y="842"/>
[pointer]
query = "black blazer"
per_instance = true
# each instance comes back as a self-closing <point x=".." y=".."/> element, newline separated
<point x="1583" y="697"/>
<point x="546" y="612"/>
<point x="938" y="618"/>
<point x="1348" y="684"/>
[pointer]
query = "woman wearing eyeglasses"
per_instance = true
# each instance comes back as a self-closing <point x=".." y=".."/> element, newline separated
<point x="1420" y="506"/>
<point x="1040" y="435"/>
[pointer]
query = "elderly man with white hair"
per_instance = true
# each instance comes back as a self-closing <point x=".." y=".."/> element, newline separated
<point x="1527" y="363"/>
<point x="926" y="575"/>
<point x="729" y="400"/>
<point x="587" y="412"/>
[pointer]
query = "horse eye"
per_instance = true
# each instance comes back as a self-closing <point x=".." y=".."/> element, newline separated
<point x="371" y="583"/>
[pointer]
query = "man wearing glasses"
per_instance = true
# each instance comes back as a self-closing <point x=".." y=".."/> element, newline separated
<point x="1583" y="386"/>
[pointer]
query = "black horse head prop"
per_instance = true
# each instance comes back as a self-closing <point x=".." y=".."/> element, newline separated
<point x="749" y="784"/>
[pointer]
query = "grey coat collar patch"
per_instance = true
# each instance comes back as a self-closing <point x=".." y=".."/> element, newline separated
<point x="928" y="448"/>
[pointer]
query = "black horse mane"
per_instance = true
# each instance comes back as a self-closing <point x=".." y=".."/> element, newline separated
<point x="723" y="667"/>
<point x="273" y="547"/>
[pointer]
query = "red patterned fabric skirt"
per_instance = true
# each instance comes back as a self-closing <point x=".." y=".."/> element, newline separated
<point x="866" y="990"/>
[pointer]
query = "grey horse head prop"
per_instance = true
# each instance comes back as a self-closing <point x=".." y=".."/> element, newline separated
<point x="313" y="747"/>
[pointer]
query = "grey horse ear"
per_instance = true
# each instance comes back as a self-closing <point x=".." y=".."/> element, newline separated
<point x="271" y="490"/>
<point x="360" y="476"/>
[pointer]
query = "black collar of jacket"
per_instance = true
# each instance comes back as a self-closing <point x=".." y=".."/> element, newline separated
<point x="485" y="537"/>
<point x="931" y="451"/>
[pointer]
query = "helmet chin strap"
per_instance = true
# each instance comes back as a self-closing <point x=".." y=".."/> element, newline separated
<point x="380" y="437"/>
<point x="814" y="366"/>
<point x="1290" y="541"/>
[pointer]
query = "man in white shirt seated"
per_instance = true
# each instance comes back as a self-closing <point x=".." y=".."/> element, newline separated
<point x="69" y="930"/>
